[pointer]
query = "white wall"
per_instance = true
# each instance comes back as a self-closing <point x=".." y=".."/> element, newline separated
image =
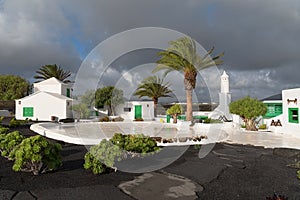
<point x="64" y="90"/>
<point x="290" y="128"/>
<point x="44" y="106"/>
<point x="147" y="110"/>
<point x="48" y="88"/>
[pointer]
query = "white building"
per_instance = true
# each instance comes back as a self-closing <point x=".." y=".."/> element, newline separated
<point x="290" y="113"/>
<point x="224" y="100"/>
<point x="136" y="110"/>
<point x="50" y="98"/>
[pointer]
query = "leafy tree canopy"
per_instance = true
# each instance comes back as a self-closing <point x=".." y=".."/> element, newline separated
<point x="175" y="110"/>
<point x="248" y="108"/>
<point x="88" y="98"/>
<point x="108" y="96"/>
<point x="82" y="110"/>
<point x="13" y="87"/>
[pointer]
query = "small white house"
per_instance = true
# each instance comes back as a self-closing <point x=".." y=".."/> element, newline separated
<point x="50" y="98"/>
<point x="136" y="110"/>
<point x="290" y="111"/>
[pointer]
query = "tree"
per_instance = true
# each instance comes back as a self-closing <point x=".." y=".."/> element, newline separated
<point x="108" y="96"/>
<point x="49" y="71"/>
<point x="248" y="109"/>
<point x="153" y="87"/>
<point x="175" y="110"/>
<point x="88" y="98"/>
<point x="13" y="87"/>
<point x="82" y="109"/>
<point x="182" y="56"/>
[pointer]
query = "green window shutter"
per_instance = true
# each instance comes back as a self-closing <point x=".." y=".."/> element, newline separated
<point x="293" y="115"/>
<point x="28" y="112"/>
<point x="278" y="109"/>
<point x="68" y="92"/>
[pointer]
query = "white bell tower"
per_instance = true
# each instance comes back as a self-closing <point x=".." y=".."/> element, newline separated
<point x="224" y="83"/>
<point x="224" y="100"/>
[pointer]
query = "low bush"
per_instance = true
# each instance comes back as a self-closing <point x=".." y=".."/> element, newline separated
<point x="298" y="174"/>
<point x="104" y="119"/>
<point x="37" y="155"/>
<point x="1" y="119"/>
<point x="212" y="121"/>
<point x="243" y="126"/>
<point x="135" y="143"/>
<point x="4" y="130"/>
<point x="263" y="126"/>
<point x="9" y="141"/>
<point x="15" y="123"/>
<point x="102" y="156"/>
<point x="118" y="119"/>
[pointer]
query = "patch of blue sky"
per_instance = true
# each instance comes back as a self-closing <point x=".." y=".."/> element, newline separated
<point x="75" y="33"/>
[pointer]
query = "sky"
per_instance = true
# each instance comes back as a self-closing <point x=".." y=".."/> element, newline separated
<point x="260" y="39"/>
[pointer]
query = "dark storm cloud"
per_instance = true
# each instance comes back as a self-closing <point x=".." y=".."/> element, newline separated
<point x="260" y="38"/>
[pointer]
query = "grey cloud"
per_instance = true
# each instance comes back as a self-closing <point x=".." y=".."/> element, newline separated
<point x="260" y="38"/>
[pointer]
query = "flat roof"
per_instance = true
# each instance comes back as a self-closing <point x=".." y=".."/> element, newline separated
<point x="273" y="98"/>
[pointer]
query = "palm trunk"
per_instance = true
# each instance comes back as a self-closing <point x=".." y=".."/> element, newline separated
<point x="189" y="85"/>
<point x="155" y="100"/>
<point x="189" y="104"/>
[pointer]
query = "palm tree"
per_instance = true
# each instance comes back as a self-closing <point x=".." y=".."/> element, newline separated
<point x="153" y="87"/>
<point x="49" y="71"/>
<point x="182" y="56"/>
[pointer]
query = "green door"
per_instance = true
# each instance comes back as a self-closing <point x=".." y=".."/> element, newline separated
<point x="138" y="112"/>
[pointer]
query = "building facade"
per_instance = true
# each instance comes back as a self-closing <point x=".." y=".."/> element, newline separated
<point x="51" y="98"/>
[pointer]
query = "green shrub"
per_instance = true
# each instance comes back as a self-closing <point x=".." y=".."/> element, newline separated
<point x="135" y="143"/>
<point x="15" y="123"/>
<point x="102" y="156"/>
<point x="298" y="174"/>
<point x="4" y="130"/>
<point x="140" y="144"/>
<point x="212" y="121"/>
<point x="263" y="126"/>
<point x="207" y="121"/>
<point x="9" y="141"/>
<point x="243" y="126"/>
<point x="104" y="119"/>
<point x="36" y="154"/>
<point x="118" y="119"/>
<point x="1" y="119"/>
